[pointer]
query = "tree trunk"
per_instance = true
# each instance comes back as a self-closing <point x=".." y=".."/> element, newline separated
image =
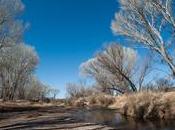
<point x="168" y="61"/>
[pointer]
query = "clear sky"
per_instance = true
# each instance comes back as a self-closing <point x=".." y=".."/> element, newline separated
<point x="66" y="33"/>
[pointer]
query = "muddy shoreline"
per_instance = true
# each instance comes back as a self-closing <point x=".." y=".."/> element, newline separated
<point x="17" y="116"/>
<point x="44" y="117"/>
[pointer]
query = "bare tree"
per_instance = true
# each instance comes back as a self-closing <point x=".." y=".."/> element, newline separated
<point x="113" y="68"/>
<point x="145" y="70"/>
<point x="18" y="61"/>
<point x="119" y="61"/>
<point x="11" y="28"/>
<point x="92" y="68"/>
<point x="16" y="65"/>
<point x="36" y="90"/>
<point x="54" y="92"/>
<point x="164" y="84"/>
<point x="78" y="90"/>
<point x="147" y="22"/>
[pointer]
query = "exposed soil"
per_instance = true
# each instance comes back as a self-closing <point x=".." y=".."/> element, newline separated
<point x="27" y="117"/>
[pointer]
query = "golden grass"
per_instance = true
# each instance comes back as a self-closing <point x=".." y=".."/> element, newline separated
<point x="147" y="105"/>
<point x="23" y="104"/>
<point x="101" y="100"/>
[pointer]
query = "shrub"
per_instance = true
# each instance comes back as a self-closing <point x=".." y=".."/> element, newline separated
<point x="75" y="91"/>
<point x="105" y="100"/>
<point x="101" y="100"/>
<point x="92" y="100"/>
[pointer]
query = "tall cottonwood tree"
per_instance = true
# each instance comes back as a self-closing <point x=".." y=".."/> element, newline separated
<point x="16" y="65"/>
<point x="113" y="68"/>
<point x="11" y="32"/>
<point x="18" y="61"/>
<point x="150" y="23"/>
<point x="116" y="69"/>
<point x="11" y="27"/>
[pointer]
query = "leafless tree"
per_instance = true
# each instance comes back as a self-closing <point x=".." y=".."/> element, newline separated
<point x="114" y="68"/>
<point x="53" y="92"/>
<point x="18" y="61"/>
<point x="145" y="70"/>
<point x="11" y="28"/>
<point x="16" y="65"/>
<point x="164" y="84"/>
<point x="36" y="90"/>
<point x="147" y="22"/>
<point x="91" y="68"/>
<point x="119" y="61"/>
<point x="78" y="90"/>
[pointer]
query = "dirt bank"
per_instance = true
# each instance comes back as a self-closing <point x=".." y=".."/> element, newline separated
<point x="43" y="117"/>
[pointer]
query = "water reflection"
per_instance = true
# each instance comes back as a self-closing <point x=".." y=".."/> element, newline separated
<point x="120" y="122"/>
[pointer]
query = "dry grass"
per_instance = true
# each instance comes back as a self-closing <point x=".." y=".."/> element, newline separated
<point x="22" y="105"/>
<point x="101" y="100"/>
<point x="147" y="105"/>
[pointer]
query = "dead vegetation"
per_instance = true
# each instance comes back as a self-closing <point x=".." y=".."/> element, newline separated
<point x="147" y="105"/>
<point x="99" y="100"/>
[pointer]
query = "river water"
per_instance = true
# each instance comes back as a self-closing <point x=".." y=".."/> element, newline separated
<point x="114" y="119"/>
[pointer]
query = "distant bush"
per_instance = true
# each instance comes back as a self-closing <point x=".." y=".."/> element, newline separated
<point x="81" y="95"/>
<point x="68" y="102"/>
<point x="92" y="100"/>
<point x="164" y="85"/>
<point x="100" y="100"/>
<point x="105" y="100"/>
<point x="160" y="85"/>
<point x="79" y="90"/>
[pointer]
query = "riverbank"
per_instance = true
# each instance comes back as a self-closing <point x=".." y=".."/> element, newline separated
<point x="147" y="105"/>
<point x="141" y="105"/>
<point x="28" y="115"/>
<point x="43" y="116"/>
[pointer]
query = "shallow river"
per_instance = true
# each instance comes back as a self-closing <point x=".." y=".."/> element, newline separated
<point x="120" y="122"/>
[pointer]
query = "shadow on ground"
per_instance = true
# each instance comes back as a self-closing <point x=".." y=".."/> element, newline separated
<point x="46" y="118"/>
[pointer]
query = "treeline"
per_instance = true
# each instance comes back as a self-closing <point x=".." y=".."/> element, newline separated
<point x="145" y="24"/>
<point x="18" y="61"/>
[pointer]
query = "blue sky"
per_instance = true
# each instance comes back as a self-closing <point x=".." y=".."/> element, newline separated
<point x="66" y="33"/>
